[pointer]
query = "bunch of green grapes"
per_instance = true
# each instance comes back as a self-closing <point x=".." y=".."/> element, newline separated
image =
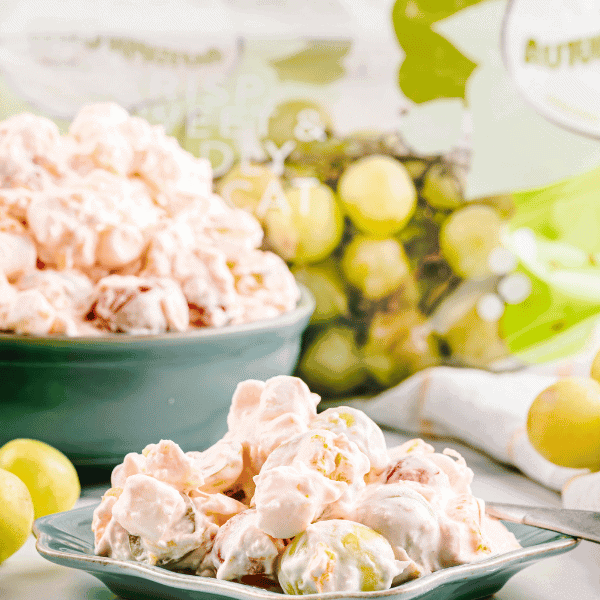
<point x="382" y="237"/>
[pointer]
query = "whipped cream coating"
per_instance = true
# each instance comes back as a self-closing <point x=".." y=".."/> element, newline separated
<point x="407" y="520"/>
<point x="241" y="549"/>
<point x="305" y="475"/>
<point x="338" y="555"/>
<point x="116" y="197"/>
<point x="358" y="428"/>
<point x="312" y="502"/>
<point x="263" y="415"/>
<point x="130" y="304"/>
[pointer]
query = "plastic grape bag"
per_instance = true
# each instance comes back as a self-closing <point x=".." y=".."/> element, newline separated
<point x="429" y="168"/>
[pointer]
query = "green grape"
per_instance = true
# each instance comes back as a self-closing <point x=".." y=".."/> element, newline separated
<point x="382" y="365"/>
<point x="337" y="556"/>
<point x="442" y="189"/>
<point x="375" y="266"/>
<point x="16" y="516"/>
<point x="563" y="423"/>
<point x="398" y="344"/>
<point x="48" y="474"/>
<point x="504" y="204"/>
<point x="411" y="232"/>
<point x="378" y="195"/>
<point x="323" y="160"/>
<point x="326" y="285"/>
<point x="331" y="364"/>
<point x="249" y="187"/>
<point x="467" y="238"/>
<point x="475" y="341"/>
<point x="301" y="121"/>
<point x="308" y="227"/>
<point x="416" y="167"/>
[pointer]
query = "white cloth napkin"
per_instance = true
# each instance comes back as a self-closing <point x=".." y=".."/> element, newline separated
<point x="488" y="411"/>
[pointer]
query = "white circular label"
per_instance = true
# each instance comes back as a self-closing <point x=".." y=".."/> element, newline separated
<point x="551" y="49"/>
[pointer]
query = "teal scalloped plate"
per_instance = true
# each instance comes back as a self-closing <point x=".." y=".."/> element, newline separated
<point x="66" y="539"/>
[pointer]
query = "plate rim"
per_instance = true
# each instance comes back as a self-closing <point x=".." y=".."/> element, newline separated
<point x="241" y="591"/>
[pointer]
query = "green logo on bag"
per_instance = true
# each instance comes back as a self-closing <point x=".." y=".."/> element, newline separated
<point x="554" y="56"/>
<point x="433" y="68"/>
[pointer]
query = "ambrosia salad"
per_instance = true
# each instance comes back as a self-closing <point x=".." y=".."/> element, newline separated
<point x="113" y="227"/>
<point x="297" y="501"/>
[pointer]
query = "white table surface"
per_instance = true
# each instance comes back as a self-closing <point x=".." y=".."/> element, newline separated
<point x="574" y="575"/>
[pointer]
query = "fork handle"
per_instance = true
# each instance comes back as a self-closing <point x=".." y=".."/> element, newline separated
<point x="584" y="524"/>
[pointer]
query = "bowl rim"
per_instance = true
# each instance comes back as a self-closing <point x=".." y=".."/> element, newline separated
<point x="92" y="563"/>
<point x="303" y="309"/>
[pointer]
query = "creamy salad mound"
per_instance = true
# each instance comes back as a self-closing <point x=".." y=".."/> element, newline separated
<point x="113" y="227"/>
<point x="297" y="501"/>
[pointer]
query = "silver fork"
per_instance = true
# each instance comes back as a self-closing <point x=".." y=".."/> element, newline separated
<point x="584" y="524"/>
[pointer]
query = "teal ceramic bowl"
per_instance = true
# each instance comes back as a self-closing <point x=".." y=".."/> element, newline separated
<point x="96" y="399"/>
<point x="67" y="539"/>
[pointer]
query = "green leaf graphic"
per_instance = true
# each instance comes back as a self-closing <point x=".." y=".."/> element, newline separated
<point x="564" y="269"/>
<point x="556" y="205"/>
<point x="427" y="12"/>
<point x="545" y="315"/>
<point x="320" y="63"/>
<point x="433" y="68"/>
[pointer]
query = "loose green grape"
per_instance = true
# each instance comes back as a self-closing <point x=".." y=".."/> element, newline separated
<point x="308" y="227"/>
<point x="563" y="423"/>
<point x="300" y="121"/>
<point x="249" y="187"/>
<point x="468" y="237"/>
<point x="398" y="344"/>
<point x="476" y="341"/>
<point x="375" y="266"/>
<point x="442" y="188"/>
<point x="324" y="281"/>
<point x="16" y="516"/>
<point x="337" y="556"/>
<point x="48" y="474"/>
<point x="378" y="195"/>
<point x="332" y="364"/>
